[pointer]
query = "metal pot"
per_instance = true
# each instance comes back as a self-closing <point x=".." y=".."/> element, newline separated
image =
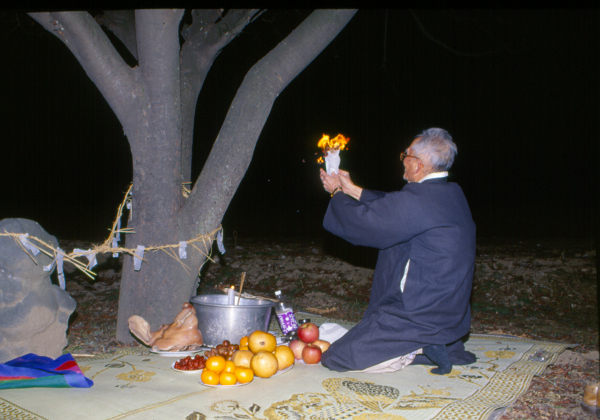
<point x="219" y="321"/>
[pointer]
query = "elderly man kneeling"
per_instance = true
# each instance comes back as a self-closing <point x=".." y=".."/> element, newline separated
<point x="419" y="306"/>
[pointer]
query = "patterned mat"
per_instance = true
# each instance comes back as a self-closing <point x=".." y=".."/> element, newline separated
<point x="134" y="384"/>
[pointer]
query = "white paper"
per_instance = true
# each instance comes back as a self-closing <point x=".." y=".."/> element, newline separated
<point x="117" y="233"/>
<point x="137" y="258"/>
<point x="182" y="251"/>
<point x="129" y="206"/>
<point x="115" y="244"/>
<point x="220" y="241"/>
<point x="26" y="244"/>
<point x="91" y="256"/>
<point x="332" y="161"/>
<point x="59" y="268"/>
<point x="50" y="266"/>
<point x="331" y="332"/>
<point x="117" y="238"/>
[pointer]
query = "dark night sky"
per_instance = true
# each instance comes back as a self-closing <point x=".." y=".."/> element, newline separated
<point x="518" y="91"/>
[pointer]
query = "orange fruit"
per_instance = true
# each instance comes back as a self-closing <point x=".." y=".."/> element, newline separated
<point x="244" y="341"/>
<point x="261" y="341"/>
<point x="285" y="357"/>
<point x="227" y="378"/>
<point x="242" y="358"/>
<point x="244" y="348"/>
<point x="216" y="364"/>
<point x="229" y="367"/>
<point x="244" y="374"/>
<point x="209" y="377"/>
<point x="264" y="364"/>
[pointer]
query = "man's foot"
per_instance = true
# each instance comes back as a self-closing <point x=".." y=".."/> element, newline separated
<point x="437" y="354"/>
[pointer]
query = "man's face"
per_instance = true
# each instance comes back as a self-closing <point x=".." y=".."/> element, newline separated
<point x="411" y="164"/>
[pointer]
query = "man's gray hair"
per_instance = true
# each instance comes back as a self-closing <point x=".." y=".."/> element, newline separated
<point x="435" y="148"/>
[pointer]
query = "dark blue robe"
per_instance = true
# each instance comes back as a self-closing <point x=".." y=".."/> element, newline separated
<point x="429" y="223"/>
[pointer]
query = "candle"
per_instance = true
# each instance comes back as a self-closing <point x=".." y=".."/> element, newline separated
<point x="231" y="296"/>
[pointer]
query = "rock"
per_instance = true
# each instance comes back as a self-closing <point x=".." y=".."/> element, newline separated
<point x="34" y="313"/>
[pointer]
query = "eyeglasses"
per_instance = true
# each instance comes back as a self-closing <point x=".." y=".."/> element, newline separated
<point x="404" y="155"/>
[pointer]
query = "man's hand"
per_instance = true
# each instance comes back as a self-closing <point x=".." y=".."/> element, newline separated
<point x="345" y="180"/>
<point x="348" y="186"/>
<point x="330" y="183"/>
<point x="342" y="181"/>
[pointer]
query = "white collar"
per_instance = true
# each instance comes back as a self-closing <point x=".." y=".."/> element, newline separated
<point x="434" y="175"/>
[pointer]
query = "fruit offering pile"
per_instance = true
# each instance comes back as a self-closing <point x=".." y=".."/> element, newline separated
<point x="260" y="353"/>
<point x="309" y="348"/>
<point x="219" y="371"/>
<point x="190" y="363"/>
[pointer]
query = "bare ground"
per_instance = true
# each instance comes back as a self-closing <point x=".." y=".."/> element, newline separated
<point x="544" y="290"/>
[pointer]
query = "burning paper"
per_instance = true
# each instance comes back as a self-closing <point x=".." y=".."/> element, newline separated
<point x="331" y="151"/>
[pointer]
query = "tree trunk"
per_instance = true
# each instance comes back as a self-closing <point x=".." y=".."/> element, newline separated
<point x="147" y="101"/>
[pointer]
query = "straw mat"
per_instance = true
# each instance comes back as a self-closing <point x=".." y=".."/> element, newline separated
<point x="134" y="384"/>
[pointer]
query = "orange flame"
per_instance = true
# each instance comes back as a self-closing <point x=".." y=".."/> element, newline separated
<point x="336" y="143"/>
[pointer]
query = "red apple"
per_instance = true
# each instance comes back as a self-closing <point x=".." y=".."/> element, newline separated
<point x="322" y="344"/>
<point x="311" y="354"/>
<point x="297" y="346"/>
<point x="308" y="332"/>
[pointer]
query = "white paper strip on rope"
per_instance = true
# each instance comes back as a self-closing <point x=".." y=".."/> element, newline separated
<point x="59" y="268"/>
<point x="137" y="258"/>
<point x="26" y="244"/>
<point x="117" y="238"/>
<point x="182" y="250"/>
<point x="129" y="205"/>
<point x="50" y="266"/>
<point x="91" y="256"/>
<point x="220" y="241"/>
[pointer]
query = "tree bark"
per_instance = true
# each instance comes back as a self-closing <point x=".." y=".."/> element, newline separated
<point x="208" y="34"/>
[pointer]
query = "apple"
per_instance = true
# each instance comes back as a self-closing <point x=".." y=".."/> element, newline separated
<point x="311" y="354"/>
<point x="308" y="332"/>
<point x="297" y="346"/>
<point x="322" y="344"/>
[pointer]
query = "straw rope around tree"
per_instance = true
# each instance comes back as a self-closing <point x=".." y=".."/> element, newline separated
<point x="206" y="240"/>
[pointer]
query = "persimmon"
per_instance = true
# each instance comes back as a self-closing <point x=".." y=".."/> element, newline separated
<point x="229" y="367"/>
<point x="209" y="377"/>
<point x="216" y="364"/>
<point x="227" y="378"/>
<point x="244" y="374"/>
<point x="244" y="341"/>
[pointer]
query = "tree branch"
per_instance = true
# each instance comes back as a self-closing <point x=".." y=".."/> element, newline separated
<point x="117" y="82"/>
<point x="233" y="148"/>
<point x="204" y="39"/>
<point x="452" y="50"/>
<point x="122" y="24"/>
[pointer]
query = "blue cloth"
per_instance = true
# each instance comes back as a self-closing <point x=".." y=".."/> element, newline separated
<point x="31" y="370"/>
<point x="429" y="223"/>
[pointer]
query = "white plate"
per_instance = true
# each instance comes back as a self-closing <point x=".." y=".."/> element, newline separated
<point x="180" y="354"/>
<point x="185" y="371"/>
<point x="306" y="364"/>
<point x="281" y="372"/>
<point x="224" y="386"/>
